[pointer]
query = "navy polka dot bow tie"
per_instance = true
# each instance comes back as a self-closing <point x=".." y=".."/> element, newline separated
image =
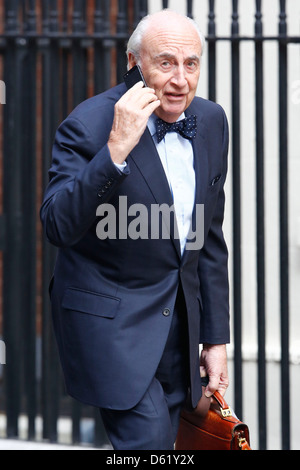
<point x="187" y="128"/>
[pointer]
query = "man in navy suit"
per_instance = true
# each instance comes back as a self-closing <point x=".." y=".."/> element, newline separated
<point x="131" y="305"/>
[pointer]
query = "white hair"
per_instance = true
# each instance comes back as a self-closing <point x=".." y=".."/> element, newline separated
<point x="135" y="41"/>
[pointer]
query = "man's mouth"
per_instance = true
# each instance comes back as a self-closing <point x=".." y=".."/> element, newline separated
<point x="176" y="96"/>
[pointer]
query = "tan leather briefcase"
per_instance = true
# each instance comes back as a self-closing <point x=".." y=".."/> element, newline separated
<point x="219" y="429"/>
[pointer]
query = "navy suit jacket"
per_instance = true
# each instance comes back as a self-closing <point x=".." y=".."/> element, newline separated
<point x="113" y="300"/>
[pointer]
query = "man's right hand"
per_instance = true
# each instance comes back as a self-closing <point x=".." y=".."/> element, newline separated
<point x="132" y="112"/>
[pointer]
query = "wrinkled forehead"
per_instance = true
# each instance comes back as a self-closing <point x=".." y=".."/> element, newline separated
<point x="180" y="38"/>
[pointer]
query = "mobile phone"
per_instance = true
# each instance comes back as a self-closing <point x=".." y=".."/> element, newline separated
<point x="134" y="76"/>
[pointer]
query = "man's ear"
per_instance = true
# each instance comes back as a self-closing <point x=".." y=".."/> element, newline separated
<point x="131" y="60"/>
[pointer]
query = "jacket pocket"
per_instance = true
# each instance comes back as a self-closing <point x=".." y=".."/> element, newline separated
<point x="213" y="189"/>
<point x="215" y="181"/>
<point x="91" y="303"/>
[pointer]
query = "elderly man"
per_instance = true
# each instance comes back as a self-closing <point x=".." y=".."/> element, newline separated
<point x="130" y="305"/>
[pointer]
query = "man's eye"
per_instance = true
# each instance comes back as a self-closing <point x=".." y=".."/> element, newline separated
<point x="192" y="65"/>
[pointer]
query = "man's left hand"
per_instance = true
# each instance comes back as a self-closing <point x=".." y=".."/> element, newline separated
<point x="213" y="363"/>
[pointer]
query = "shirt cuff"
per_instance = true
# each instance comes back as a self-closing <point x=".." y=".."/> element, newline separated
<point x="121" y="166"/>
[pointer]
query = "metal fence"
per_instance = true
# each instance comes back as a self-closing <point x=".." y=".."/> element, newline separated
<point x="54" y="54"/>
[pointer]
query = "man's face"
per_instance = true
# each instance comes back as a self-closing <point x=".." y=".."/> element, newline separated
<point x="170" y="61"/>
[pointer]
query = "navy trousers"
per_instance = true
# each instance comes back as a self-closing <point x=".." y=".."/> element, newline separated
<point x="153" y="423"/>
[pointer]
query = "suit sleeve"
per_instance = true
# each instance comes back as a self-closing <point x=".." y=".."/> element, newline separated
<point x="213" y="269"/>
<point x="81" y="178"/>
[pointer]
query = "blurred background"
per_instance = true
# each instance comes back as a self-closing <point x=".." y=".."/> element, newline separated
<point x="56" y="53"/>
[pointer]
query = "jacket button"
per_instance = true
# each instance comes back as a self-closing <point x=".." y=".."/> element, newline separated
<point x="166" y="312"/>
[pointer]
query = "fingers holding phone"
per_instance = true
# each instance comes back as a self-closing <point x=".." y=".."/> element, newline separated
<point x="132" y="112"/>
<point x="134" y="77"/>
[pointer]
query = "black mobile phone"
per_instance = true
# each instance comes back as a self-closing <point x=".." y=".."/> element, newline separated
<point x="134" y="76"/>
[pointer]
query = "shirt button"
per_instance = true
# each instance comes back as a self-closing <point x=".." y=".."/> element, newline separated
<point x="166" y="312"/>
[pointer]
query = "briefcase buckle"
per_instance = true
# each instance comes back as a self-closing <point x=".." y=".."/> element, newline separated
<point x="226" y="413"/>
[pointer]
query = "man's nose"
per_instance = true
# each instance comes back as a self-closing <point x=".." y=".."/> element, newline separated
<point x="179" y="76"/>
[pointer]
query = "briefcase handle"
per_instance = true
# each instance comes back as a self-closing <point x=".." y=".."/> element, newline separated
<point x="225" y="409"/>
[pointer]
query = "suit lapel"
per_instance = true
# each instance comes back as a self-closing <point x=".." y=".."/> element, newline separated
<point x="147" y="160"/>
<point x="200" y="156"/>
<point x="200" y="164"/>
